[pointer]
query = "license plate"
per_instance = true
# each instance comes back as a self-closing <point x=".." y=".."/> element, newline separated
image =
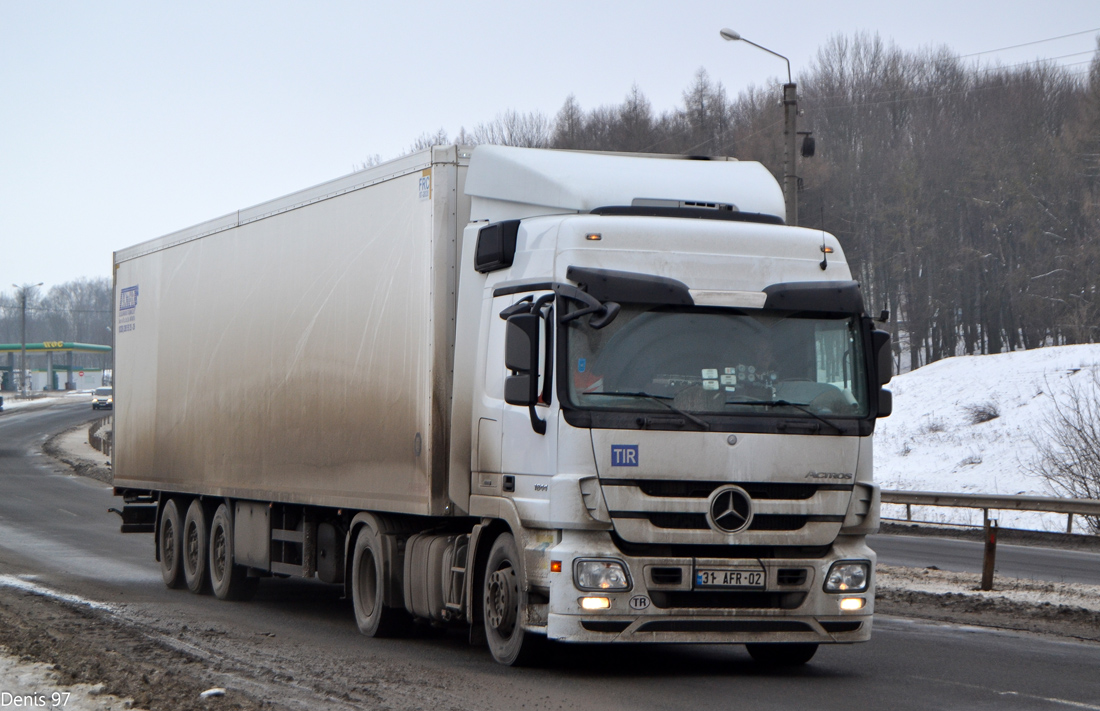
<point x="744" y="578"/>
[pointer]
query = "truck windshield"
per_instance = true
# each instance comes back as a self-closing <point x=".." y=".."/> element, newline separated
<point x="710" y="361"/>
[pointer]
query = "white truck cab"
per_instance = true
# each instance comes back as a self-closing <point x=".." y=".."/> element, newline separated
<point x="673" y="396"/>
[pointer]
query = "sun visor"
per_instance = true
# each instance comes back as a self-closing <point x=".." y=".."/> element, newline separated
<point x="823" y="296"/>
<point x="630" y="287"/>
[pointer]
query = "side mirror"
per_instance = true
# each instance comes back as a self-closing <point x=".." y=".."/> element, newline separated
<point x="884" y="360"/>
<point x="521" y="356"/>
<point x="885" y="403"/>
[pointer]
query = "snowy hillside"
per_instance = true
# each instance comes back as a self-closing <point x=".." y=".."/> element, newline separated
<point x="930" y="442"/>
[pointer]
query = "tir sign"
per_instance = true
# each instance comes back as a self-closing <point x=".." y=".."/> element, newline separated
<point x="624" y="455"/>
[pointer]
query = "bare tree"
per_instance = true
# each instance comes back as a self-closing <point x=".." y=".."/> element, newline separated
<point x="369" y="162"/>
<point x="511" y="128"/>
<point x="1068" y="443"/>
<point x="428" y="140"/>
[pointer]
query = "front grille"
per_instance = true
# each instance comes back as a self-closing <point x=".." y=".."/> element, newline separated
<point x="648" y="510"/>
<point x="726" y="599"/>
<point x="724" y="626"/>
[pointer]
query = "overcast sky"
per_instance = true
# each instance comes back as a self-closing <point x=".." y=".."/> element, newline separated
<point x="122" y="121"/>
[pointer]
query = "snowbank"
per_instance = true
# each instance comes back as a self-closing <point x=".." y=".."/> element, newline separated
<point x="931" y="442"/>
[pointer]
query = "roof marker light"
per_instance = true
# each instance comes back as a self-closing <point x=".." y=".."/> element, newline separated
<point x="593" y="236"/>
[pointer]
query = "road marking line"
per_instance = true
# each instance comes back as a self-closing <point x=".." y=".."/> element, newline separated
<point x="19" y="583"/>
<point x="1019" y="694"/>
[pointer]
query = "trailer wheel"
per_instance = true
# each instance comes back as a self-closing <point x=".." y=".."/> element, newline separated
<point x="368" y="582"/>
<point x="195" y="533"/>
<point x="504" y="606"/>
<point x="778" y="654"/>
<point x="170" y="545"/>
<point x="230" y="581"/>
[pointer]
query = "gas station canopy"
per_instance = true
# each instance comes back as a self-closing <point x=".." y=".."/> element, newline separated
<point x="55" y="346"/>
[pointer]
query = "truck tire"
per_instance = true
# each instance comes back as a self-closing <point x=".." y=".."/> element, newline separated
<point x="368" y="581"/>
<point x="229" y="581"/>
<point x="778" y="654"/>
<point x="504" y="606"/>
<point x="170" y="545"/>
<point x="196" y="531"/>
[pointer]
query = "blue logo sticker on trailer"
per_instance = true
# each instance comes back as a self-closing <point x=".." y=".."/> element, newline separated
<point x="127" y="309"/>
<point x="624" y="455"/>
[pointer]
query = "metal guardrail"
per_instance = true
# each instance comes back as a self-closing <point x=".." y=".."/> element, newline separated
<point x="99" y="441"/>
<point x="988" y="502"/>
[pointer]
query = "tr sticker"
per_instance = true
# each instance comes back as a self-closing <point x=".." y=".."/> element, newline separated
<point x="639" y="602"/>
<point x="624" y="455"/>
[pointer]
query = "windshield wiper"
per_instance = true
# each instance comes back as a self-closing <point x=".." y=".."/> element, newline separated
<point x="784" y="403"/>
<point x="660" y="399"/>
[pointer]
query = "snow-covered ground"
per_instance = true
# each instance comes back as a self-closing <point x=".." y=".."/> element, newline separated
<point x="930" y="442"/>
<point x="12" y="401"/>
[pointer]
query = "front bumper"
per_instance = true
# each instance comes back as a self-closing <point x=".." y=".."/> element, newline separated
<point x="792" y="606"/>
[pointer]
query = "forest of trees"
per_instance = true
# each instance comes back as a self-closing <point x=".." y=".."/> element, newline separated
<point x="967" y="198"/>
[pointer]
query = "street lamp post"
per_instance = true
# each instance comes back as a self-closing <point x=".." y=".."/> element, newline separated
<point x="790" y="130"/>
<point x="23" y="346"/>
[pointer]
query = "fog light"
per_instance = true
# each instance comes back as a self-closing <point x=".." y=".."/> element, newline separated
<point x="851" y="604"/>
<point x="595" y="603"/>
<point x="600" y="575"/>
<point x="848" y="576"/>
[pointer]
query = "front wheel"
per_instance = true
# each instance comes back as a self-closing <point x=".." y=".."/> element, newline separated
<point x="504" y="606"/>
<point x="777" y="654"/>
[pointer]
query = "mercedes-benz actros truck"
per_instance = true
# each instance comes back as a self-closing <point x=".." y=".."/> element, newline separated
<point x="550" y="395"/>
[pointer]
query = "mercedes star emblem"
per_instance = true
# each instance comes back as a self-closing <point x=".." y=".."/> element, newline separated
<point x="730" y="510"/>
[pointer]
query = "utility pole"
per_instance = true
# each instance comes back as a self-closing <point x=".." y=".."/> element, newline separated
<point x="790" y="131"/>
<point x="23" y="348"/>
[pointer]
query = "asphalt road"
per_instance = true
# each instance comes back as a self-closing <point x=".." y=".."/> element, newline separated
<point x="1037" y="563"/>
<point x="299" y="638"/>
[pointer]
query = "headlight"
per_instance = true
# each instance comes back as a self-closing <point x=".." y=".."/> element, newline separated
<point x="600" y="575"/>
<point x="848" y="576"/>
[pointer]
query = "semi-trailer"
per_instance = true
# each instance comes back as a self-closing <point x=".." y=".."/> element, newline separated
<point x="583" y="397"/>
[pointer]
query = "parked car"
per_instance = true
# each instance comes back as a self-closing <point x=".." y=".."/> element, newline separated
<point x="103" y="399"/>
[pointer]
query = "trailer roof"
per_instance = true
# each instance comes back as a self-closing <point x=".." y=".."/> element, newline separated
<point x="506" y="182"/>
